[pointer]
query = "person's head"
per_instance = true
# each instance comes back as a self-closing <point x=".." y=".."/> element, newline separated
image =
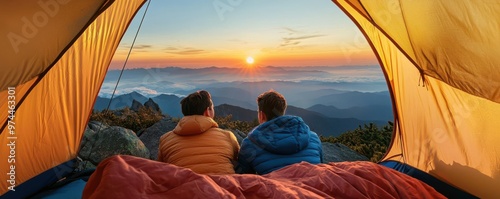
<point x="198" y="103"/>
<point x="271" y="105"/>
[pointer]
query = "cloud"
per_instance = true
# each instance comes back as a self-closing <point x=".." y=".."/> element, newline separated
<point x="291" y="30"/>
<point x="289" y="43"/>
<point x="184" y="51"/>
<point x="295" y="37"/>
<point x="293" y="41"/>
<point x="141" y="89"/>
<point x="142" y="46"/>
<point x="137" y="47"/>
<point x="301" y="37"/>
<point x="124" y="48"/>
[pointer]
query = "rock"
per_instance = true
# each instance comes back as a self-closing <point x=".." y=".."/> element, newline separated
<point x="85" y="165"/>
<point x="87" y="136"/>
<point x="152" y="105"/>
<point x="151" y="136"/>
<point x="239" y="135"/>
<point x="92" y="128"/>
<point x="336" y="152"/>
<point x="136" y="105"/>
<point x="97" y="146"/>
<point x="96" y="126"/>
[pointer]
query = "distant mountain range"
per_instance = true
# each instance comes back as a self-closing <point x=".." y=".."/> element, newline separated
<point x="119" y="102"/>
<point x="325" y="120"/>
<point x="330" y="99"/>
<point x="290" y="81"/>
<point x="330" y="102"/>
<point x="328" y="126"/>
<point x="169" y="104"/>
<point x="346" y="99"/>
<point x="237" y="112"/>
<point x="372" y="112"/>
<point x="317" y="122"/>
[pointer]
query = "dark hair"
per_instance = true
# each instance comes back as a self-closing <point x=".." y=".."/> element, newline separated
<point x="272" y="103"/>
<point x="196" y="103"/>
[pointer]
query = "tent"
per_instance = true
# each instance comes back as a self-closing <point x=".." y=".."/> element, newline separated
<point x="54" y="56"/>
<point x="438" y="57"/>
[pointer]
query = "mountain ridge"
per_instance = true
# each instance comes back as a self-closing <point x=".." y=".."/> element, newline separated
<point x="321" y="120"/>
<point x="373" y="112"/>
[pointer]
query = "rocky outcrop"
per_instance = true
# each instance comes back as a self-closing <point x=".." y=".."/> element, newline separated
<point x="97" y="146"/>
<point x="151" y="136"/>
<point x="96" y="126"/>
<point x="101" y="141"/>
<point x="152" y="105"/>
<point x="136" y="105"/>
<point x="336" y="152"/>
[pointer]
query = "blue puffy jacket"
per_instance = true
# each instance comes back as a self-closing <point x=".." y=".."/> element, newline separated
<point x="277" y="143"/>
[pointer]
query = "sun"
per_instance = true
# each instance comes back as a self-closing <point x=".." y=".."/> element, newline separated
<point x="250" y="60"/>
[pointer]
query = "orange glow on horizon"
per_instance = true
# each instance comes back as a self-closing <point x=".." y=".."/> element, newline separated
<point x="233" y="59"/>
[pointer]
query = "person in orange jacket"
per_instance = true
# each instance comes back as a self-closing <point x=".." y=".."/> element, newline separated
<point x="196" y="142"/>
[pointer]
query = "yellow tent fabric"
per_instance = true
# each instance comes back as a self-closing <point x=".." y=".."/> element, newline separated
<point x="441" y="61"/>
<point x="55" y="54"/>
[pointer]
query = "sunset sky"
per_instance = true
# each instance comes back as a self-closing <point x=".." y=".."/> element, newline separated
<point x="223" y="33"/>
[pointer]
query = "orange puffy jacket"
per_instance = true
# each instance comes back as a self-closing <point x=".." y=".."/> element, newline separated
<point x="197" y="143"/>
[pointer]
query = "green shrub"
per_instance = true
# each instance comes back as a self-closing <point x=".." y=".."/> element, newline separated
<point x="368" y="140"/>
<point x="228" y="123"/>
<point x="135" y="121"/>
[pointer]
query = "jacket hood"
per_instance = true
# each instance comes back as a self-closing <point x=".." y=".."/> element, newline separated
<point x="194" y="124"/>
<point x="282" y="135"/>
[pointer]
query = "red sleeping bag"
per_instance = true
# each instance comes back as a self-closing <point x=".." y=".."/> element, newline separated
<point x="132" y="177"/>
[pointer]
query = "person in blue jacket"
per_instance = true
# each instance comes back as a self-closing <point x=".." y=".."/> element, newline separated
<point x="280" y="140"/>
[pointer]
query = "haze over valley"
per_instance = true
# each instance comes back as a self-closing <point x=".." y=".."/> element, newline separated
<point x="330" y="99"/>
